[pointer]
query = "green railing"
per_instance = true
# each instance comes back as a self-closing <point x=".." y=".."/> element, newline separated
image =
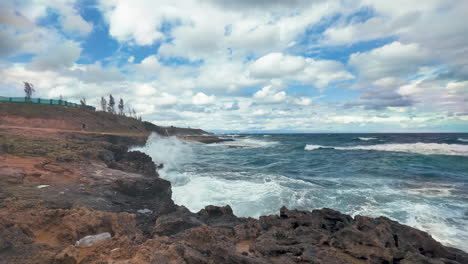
<point x="44" y="101"/>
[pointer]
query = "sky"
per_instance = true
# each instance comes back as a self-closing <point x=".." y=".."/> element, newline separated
<point x="248" y="65"/>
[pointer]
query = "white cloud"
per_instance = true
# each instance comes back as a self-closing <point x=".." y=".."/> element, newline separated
<point x="303" y="101"/>
<point x="270" y="95"/>
<point x="276" y="65"/>
<point x="392" y="60"/>
<point x="59" y="56"/>
<point x="200" y="28"/>
<point x="318" y="73"/>
<point x="149" y="65"/>
<point x="202" y="99"/>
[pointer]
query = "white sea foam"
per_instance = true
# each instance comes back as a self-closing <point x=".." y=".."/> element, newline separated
<point x="366" y="138"/>
<point x="262" y="195"/>
<point x="313" y="147"/>
<point x="421" y="148"/>
<point x="462" y="139"/>
<point x="246" y="143"/>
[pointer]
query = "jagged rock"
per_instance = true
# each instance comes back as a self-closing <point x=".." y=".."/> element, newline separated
<point x="144" y="187"/>
<point x="178" y="221"/>
<point x="136" y="161"/>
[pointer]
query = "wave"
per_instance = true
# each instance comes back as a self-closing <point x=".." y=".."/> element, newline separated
<point x="366" y="138"/>
<point x="170" y="151"/>
<point x="420" y="148"/>
<point x="462" y="139"/>
<point x="246" y="143"/>
<point x="314" y="147"/>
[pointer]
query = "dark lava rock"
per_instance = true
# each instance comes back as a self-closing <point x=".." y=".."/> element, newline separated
<point x="178" y="221"/>
<point x="138" y="162"/>
<point x="144" y="187"/>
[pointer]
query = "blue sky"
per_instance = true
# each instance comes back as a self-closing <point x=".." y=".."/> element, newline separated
<point x="308" y="66"/>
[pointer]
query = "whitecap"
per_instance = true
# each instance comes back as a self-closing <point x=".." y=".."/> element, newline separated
<point x="420" y="148"/>
<point x="246" y="143"/>
<point x="314" y="147"/>
<point x="366" y="138"/>
<point x="462" y="139"/>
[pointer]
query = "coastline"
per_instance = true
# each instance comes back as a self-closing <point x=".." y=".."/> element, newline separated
<point x="59" y="187"/>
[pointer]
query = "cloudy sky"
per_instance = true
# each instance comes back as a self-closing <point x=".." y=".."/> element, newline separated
<point x="248" y="65"/>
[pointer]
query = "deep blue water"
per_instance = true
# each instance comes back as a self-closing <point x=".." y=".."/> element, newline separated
<point x="417" y="179"/>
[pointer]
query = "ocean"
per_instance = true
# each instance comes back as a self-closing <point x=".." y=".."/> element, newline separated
<point x="420" y="180"/>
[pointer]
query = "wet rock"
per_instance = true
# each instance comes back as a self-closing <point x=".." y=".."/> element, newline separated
<point x="136" y="161"/>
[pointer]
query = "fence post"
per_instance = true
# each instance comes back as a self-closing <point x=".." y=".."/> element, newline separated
<point x="38" y="100"/>
<point x="9" y="99"/>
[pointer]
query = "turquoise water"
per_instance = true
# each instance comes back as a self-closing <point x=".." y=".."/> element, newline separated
<point x="417" y="179"/>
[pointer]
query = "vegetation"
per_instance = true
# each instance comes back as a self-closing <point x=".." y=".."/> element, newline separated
<point x="28" y="90"/>
<point x="111" y="105"/>
<point x="121" y="107"/>
<point x="103" y="104"/>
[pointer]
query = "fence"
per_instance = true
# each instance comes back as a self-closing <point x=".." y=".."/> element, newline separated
<point x="44" y="101"/>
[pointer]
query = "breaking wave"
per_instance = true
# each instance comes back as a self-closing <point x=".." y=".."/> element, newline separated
<point x="420" y="148"/>
<point x="313" y="147"/>
<point x="246" y="143"/>
<point x="366" y="138"/>
<point x="462" y="139"/>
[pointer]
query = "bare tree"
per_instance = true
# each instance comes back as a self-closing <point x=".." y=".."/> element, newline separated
<point x="103" y="104"/>
<point x="134" y="113"/>
<point x="83" y="101"/>
<point x="121" y="107"/>
<point x="28" y="90"/>
<point x="111" y="104"/>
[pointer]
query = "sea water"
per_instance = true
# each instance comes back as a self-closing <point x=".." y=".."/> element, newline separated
<point x="420" y="180"/>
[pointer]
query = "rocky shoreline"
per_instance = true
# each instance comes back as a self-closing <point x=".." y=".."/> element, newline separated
<point x="84" y="198"/>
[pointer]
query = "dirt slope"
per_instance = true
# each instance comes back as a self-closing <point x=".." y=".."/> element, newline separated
<point x="70" y="118"/>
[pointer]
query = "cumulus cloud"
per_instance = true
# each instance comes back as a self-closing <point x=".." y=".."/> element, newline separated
<point x="381" y="98"/>
<point x="270" y="95"/>
<point x="275" y="65"/>
<point x="318" y="73"/>
<point x="202" y="99"/>
<point x="60" y="56"/>
<point x="303" y="101"/>
<point x="392" y="60"/>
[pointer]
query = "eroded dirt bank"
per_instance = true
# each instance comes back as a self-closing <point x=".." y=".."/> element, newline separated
<point x="56" y="188"/>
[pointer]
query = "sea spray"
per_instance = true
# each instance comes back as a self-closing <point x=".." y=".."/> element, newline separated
<point x="172" y="153"/>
